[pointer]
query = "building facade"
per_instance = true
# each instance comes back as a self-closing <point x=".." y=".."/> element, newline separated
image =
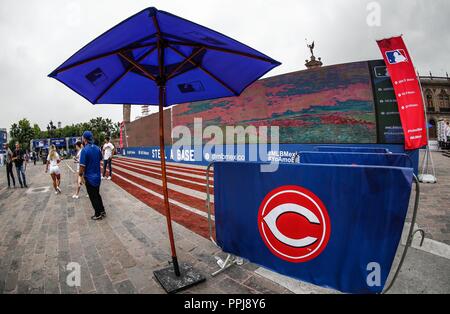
<point x="436" y="92"/>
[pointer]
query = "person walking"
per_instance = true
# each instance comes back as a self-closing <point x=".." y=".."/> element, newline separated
<point x="79" y="181"/>
<point x="447" y="131"/>
<point x="53" y="161"/>
<point x="19" y="157"/>
<point x="9" y="167"/>
<point x="108" y="152"/>
<point x="34" y="157"/>
<point x="90" y="159"/>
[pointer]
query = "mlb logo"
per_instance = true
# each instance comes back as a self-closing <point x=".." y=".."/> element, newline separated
<point x="396" y="56"/>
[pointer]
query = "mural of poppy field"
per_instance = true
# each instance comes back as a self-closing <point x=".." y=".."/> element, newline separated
<point x="327" y="105"/>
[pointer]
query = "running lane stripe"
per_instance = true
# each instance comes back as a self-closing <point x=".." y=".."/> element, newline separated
<point x="201" y="195"/>
<point x="193" y="222"/>
<point x="179" y="175"/>
<point x="200" y="186"/>
<point x="201" y="170"/>
<point x="173" y="195"/>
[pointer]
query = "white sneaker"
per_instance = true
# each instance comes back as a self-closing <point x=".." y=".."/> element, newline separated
<point x="108" y="178"/>
<point x="58" y="190"/>
<point x="103" y="178"/>
<point x="75" y="197"/>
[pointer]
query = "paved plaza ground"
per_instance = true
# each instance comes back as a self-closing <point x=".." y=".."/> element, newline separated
<point x="41" y="233"/>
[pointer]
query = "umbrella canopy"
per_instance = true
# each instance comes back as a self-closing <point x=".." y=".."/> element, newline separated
<point x="123" y="66"/>
<point x="156" y="58"/>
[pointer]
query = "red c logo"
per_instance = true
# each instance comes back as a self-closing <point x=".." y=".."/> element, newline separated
<point x="294" y="224"/>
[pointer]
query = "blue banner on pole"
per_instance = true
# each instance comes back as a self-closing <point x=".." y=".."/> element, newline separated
<point x="333" y="226"/>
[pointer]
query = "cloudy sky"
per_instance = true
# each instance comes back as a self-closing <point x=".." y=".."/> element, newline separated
<point x="38" y="35"/>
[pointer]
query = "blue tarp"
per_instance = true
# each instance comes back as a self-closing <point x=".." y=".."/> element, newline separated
<point x="341" y="149"/>
<point x="389" y="160"/>
<point x="208" y="153"/>
<point x="361" y="208"/>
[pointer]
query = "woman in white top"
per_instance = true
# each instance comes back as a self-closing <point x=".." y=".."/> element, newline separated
<point x="53" y="161"/>
<point x="79" y="182"/>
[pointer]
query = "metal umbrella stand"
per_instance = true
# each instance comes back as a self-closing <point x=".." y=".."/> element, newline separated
<point x="160" y="59"/>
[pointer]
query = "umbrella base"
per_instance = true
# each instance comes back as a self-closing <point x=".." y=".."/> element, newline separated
<point x="173" y="284"/>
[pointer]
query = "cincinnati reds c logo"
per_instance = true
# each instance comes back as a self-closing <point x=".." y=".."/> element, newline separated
<point x="294" y="224"/>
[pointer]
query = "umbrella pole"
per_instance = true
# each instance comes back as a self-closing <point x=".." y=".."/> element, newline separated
<point x="162" y="99"/>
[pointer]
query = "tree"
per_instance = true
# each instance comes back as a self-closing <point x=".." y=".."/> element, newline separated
<point x="22" y="132"/>
<point x="100" y="127"/>
<point x="37" y="131"/>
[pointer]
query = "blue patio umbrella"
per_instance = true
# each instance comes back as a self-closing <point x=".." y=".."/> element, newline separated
<point x="156" y="58"/>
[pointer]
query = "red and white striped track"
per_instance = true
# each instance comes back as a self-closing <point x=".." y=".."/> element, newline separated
<point x="186" y="184"/>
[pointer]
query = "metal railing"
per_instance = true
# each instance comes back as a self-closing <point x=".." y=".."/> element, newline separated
<point x="410" y="237"/>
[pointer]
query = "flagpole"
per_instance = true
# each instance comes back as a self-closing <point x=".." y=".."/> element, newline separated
<point x="426" y="177"/>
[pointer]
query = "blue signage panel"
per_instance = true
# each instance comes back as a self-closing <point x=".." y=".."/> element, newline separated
<point x="58" y="142"/>
<point x="74" y="140"/>
<point x="333" y="226"/>
<point x="285" y="153"/>
<point x="39" y="144"/>
<point x="3" y="139"/>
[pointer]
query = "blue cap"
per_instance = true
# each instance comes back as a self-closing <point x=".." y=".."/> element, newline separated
<point x="88" y="136"/>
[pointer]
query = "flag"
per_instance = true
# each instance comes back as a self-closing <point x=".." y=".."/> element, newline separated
<point x="407" y="90"/>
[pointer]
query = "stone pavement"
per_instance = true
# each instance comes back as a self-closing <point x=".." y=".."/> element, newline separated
<point x="41" y="233"/>
<point x="434" y="212"/>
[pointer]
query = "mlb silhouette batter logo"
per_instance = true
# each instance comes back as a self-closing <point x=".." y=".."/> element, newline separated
<point x="396" y="56"/>
<point x="294" y="224"/>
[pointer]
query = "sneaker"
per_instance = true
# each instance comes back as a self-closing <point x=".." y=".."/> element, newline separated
<point x="103" y="178"/>
<point x="97" y="217"/>
<point x="75" y="197"/>
<point x="103" y="214"/>
<point x="108" y="178"/>
<point x="58" y="190"/>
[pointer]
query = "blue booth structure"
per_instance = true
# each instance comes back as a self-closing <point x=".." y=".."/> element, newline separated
<point x="334" y="219"/>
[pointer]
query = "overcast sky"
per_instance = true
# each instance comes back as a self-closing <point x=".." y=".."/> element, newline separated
<point x="38" y="35"/>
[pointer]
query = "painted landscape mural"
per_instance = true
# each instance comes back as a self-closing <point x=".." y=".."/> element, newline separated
<point x="327" y="105"/>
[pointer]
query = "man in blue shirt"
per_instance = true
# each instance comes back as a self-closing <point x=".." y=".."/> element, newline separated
<point x="90" y="159"/>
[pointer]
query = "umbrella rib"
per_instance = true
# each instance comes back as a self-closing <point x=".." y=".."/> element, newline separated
<point x="155" y="22"/>
<point x="244" y="54"/>
<point x="123" y="75"/>
<point x="207" y="72"/>
<point x="138" y="66"/>
<point x="101" y="56"/>
<point x="186" y="60"/>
